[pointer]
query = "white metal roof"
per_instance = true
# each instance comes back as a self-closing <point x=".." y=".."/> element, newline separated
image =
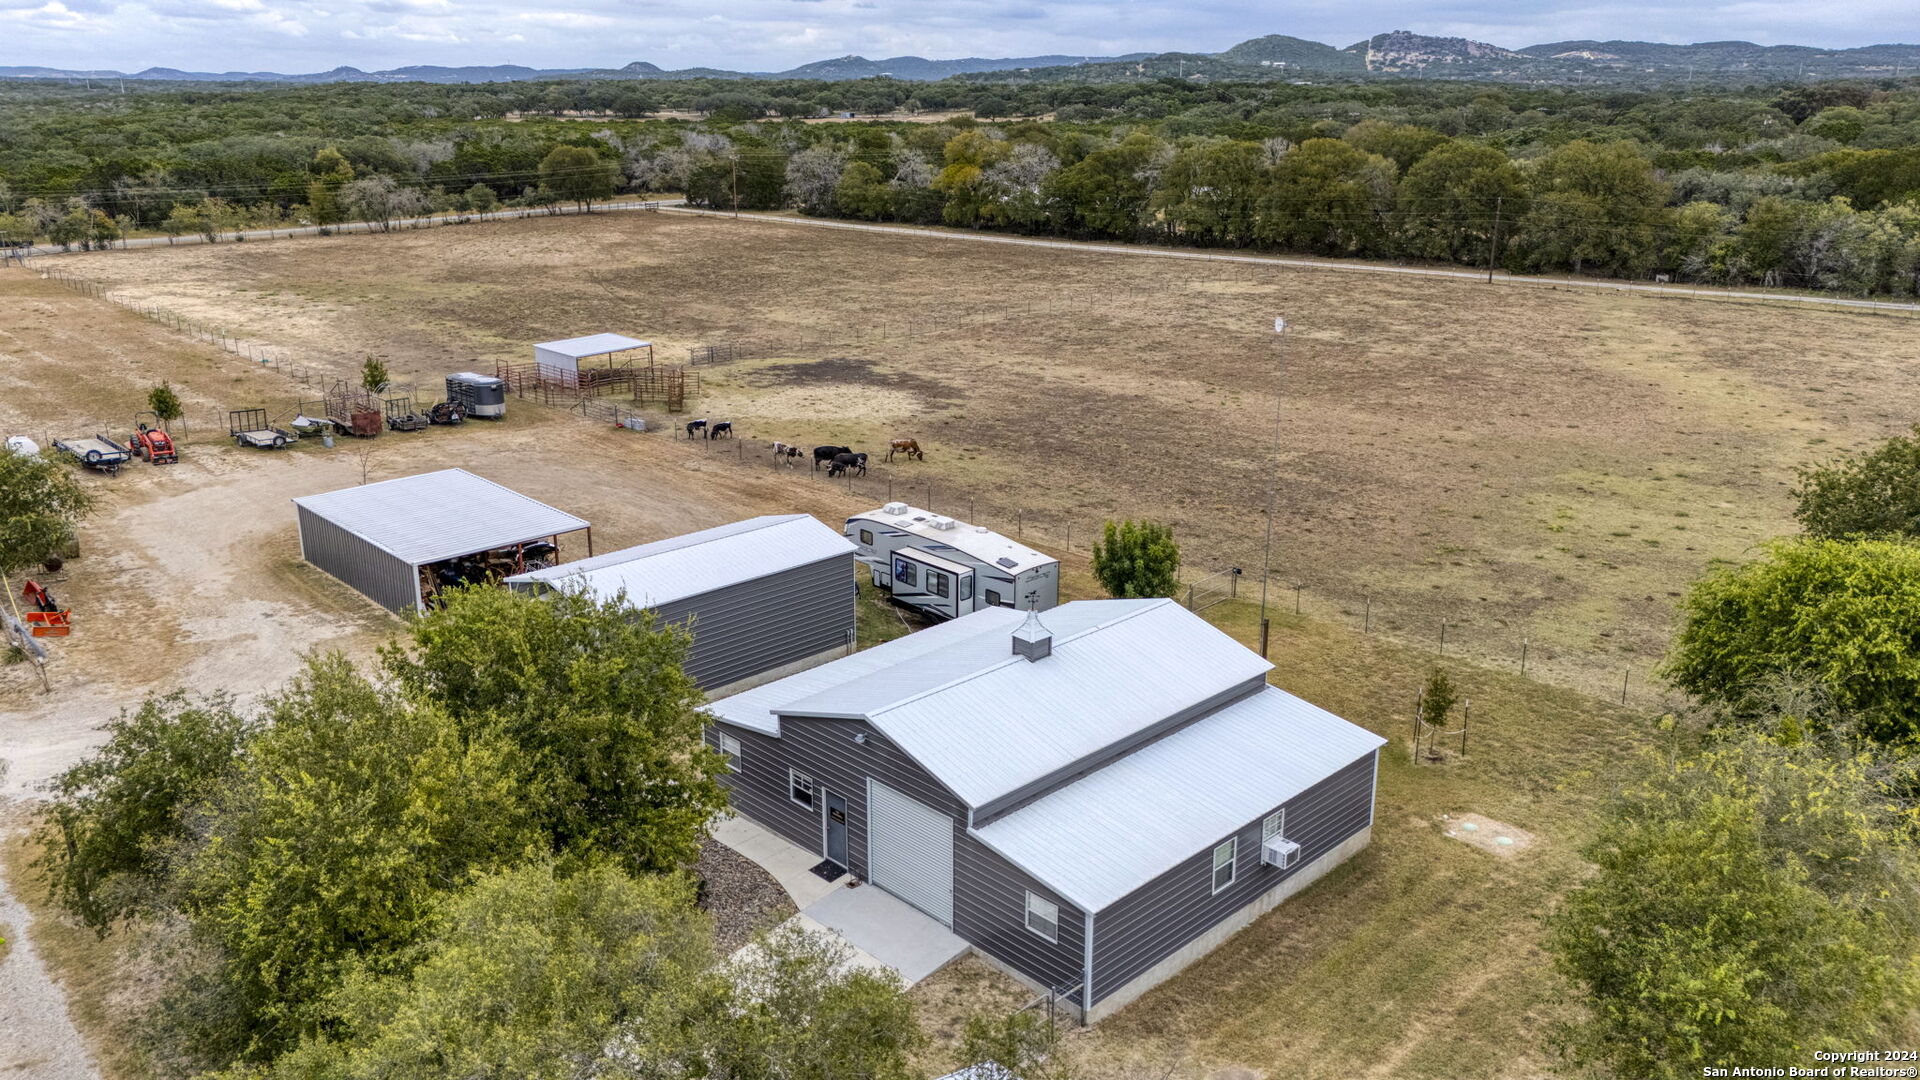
<point x="439" y="515"/>
<point x="1103" y="836"/>
<point x="593" y="345"/>
<point x="699" y="562"/>
<point x="976" y="540"/>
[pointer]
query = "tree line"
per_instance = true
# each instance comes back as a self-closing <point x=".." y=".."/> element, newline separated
<point x="1806" y="186"/>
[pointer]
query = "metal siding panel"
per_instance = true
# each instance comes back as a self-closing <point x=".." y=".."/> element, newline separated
<point x="376" y="574"/>
<point x="989" y="893"/>
<point x="745" y="629"/>
<point x="910" y="850"/>
<point x="1156" y="920"/>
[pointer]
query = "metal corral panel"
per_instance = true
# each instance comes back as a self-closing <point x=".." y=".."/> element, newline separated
<point x="1161" y="917"/>
<point x="910" y="851"/>
<point x="1107" y="834"/>
<point x="656" y="574"/>
<point x="387" y="580"/>
<point x="1027" y="720"/>
<point x="439" y="515"/>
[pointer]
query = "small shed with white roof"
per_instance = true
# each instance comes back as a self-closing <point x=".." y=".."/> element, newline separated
<point x="1093" y="797"/>
<point x="763" y="598"/>
<point x="948" y="568"/>
<point x="566" y="355"/>
<point x="398" y="540"/>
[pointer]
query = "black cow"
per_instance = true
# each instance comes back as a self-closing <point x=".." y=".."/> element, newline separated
<point x="827" y="454"/>
<point x="721" y="430"/>
<point x="695" y="427"/>
<point x="843" y="462"/>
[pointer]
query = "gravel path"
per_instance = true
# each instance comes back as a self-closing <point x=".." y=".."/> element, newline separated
<point x="741" y="897"/>
<point x="37" y="1038"/>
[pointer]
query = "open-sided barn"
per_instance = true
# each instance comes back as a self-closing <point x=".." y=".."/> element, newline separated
<point x="1092" y="797"/>
<point x="387" y="539"/>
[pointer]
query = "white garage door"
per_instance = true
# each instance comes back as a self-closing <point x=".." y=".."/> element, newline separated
<point x="910" y="851"/>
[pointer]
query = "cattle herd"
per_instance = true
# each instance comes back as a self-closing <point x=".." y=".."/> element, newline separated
<point x="839" y="460"/>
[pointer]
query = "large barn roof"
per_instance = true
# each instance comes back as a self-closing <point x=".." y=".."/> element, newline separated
<point x="699" y="562"/>
<point x="439" y="515"/>
<point x="1107" y="834"/>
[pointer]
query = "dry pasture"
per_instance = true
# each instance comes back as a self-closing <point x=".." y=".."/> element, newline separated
<point x="1518" y="463"/>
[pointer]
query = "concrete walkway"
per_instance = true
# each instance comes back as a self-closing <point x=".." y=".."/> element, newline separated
<point x="881" y="930"/>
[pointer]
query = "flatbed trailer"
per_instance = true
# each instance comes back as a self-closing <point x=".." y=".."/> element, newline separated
<point x="96" y="452"/>
<point x="249" y="427"/>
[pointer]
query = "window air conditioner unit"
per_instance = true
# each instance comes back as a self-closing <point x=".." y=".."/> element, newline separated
<point x="1279" y="851"/>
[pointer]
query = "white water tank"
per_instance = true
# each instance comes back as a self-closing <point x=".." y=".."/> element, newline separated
<point x="22" y="445"/>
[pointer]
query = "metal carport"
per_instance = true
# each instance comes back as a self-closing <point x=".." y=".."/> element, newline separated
<point x="376" y="537"/>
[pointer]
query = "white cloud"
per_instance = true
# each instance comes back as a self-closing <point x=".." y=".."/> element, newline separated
<point x="309" y="35"/>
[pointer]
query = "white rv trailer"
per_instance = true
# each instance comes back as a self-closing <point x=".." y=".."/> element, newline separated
<point x="949" y="568"/>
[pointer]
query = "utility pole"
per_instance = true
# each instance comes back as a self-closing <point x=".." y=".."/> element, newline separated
<point x="1273" y="477"/>
<point x="1493" y="242"/>
<point x="734" y="161"/>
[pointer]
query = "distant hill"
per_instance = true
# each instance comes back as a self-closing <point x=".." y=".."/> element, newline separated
<point x="1398" y="54"/>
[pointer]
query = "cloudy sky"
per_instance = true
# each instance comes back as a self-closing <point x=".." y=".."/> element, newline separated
<point x="769" y="35"/>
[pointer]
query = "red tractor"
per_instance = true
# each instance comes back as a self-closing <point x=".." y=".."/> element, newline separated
<point x="153" y="444"/>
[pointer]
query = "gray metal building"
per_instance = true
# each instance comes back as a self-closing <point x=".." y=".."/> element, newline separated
<point x="1093" y="797"/>
<point x="379" y="537"/>
<point x="764" y="597"/>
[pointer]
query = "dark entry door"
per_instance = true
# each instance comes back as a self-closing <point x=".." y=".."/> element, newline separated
<point x="836" y="829"/>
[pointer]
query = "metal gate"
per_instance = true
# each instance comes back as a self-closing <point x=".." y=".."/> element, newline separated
<point x="910" y="851"/>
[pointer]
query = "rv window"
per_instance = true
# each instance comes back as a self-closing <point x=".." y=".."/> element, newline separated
<point x="966" y="587"/>
<point x="866" y="537"/>
<point x="993" y="599"/>
<point x="903" y="572"/>
<point x="800" y="788"/>
<point x="937" y="583"/>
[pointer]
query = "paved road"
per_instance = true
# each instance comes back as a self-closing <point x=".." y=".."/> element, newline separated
<point x="1143" y="251"/>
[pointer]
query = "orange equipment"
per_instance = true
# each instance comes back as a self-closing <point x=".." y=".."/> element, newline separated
<point x="154" y="445"/>
<point x="48" y="619"/>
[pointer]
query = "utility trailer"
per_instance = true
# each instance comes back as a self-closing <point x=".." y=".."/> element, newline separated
<point x="249" y="427"/>
<point x="947" y="568"/>
<point x="401" y="417"/>
<point x="480" y="396"/>
<point x="95" y="452"/>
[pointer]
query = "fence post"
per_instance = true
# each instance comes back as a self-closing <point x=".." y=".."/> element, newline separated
<point x="1443" y="637"/>
<point x="1296" y="598"/>
<point x="1625" y="674"/>
<point x="1366" y="616"/>
<point x="1523" y="656"/>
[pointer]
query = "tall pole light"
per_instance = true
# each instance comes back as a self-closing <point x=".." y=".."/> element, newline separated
<point x="1273" y="477"/>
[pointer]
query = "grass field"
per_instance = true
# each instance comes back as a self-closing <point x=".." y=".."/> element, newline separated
<point x="1520" y="463"/>
<point x="1556" y="465"/>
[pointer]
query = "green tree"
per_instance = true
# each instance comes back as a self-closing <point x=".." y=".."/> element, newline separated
<point x="1844" y="615"/>
<point x="41" y="504"/>
<point x="1871" y="494"/>
<point x="331" y="172"/>
<point x="115" y="820"/>
<point x="1752" y="904"/>
<point x="481" y="199"/>
<point x="165" y="403"/>
<point x="1137" y="559"/>
<point x="861" y="193"/>
<point x="1595" y="206"/>
<point x="964" y="179"/>
<point x="594" y="697"/>
<point x="1437" y="700"/>
<point x="799" y="1011"/>
<point x="353" y="812"/>
<point x="374" y="375"/>
<point x="1448" y="199"/>
<point x="576" y="174"/>
<point x="1211" y="191"/>
<point x="532" y="974"/>
<point x="1328" y="197"/>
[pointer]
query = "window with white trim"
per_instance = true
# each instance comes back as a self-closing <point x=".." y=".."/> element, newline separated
<point x="1224" y="858"/>
<point x="1275" y="825"/>
<point x="800" y="788"/>
<point x="1043" y="917"/>
<point x="730" y="746"/>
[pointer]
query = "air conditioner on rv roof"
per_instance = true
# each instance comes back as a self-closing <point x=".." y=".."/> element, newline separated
<point x="1279" y="851"/>
<point x="894" y="508"/>
<point x="943" y="523"/>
